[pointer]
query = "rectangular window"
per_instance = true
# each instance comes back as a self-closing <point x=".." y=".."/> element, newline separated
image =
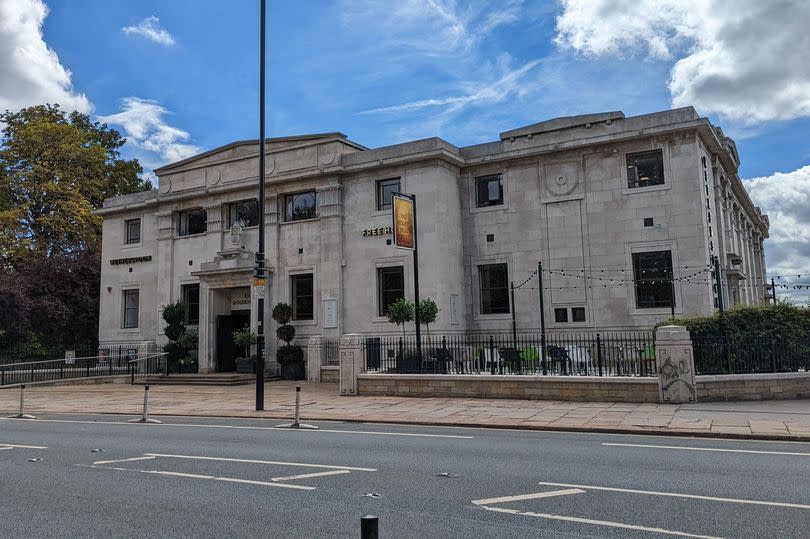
<point x="192" y="222"/>
<point x="191" y="303"/>
<point x="652" y="272"/>
<point x="390" y="287"/>
<point x="246" y="211"/>
<point x="577" y="314"/>
<point x="385" y="190"/>
<point x="561" y="315"/>
<point x="129" y="315"/>
<point x="133" y="231"/>
<point x="645" y="169"/>
<point x="488" y="190"/>
<point x="299" y="206"/>
<point x="494" y="282"/>
<point x="301" y="292"/>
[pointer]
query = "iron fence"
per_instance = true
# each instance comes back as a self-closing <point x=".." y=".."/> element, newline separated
<point x="585" y="354"/>
<point x="330" y="352"/>
<point x="718" y="355"/>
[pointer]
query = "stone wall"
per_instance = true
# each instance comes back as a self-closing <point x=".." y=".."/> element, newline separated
<point x="733" y="387"/>
<point x="330" y="374"/>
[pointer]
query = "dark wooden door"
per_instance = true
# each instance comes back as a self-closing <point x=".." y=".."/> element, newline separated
<point x="227" y="352"/>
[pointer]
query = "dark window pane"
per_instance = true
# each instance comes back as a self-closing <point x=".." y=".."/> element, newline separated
<point x="299" y="206"/>
<point x="652" y="273"/>
<point x="191" y="303"/>
<point x="391" y="287"/>
<point x="302" y="296"/>
<point x="130" y="314"/>
<point x="192" y="222"/>
<point x="247" y="211"/>
<point x="494" y="281"/>
<point x="561" y="315"/>
<point x="577" y="314"/>
<point x="385" y="191"/>
<point x="488" y="190"/>
<point x="645" y="168"/>
<point x="133" y="227"/>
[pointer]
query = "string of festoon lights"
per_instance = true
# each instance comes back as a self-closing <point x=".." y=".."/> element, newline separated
<point x="591" y="279"/>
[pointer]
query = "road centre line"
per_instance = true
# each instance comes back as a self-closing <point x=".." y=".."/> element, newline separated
<point x="226" y="479"/>
<point x="533" y="496"/>
<point x="717" y="449"/>
<point x="123" y="460"/>
<point x="5" y="445"/>
<point x="254" y="461"/>
<point x="599" y="522"/>
<point x="678" y="495"/>
<point x="308" y="475"/>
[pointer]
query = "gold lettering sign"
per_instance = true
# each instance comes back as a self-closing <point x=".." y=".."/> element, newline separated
<point x="379" y="231"/>
<point x="403" y="222"/>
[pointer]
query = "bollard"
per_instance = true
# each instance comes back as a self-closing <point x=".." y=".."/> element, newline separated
<point x="145" y="418"/>
<point x="22" y="414"/>
<point x="296" y="424"/>
<point x="369" y="527"/>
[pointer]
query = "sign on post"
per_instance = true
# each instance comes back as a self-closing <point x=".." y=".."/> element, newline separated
<point x="70" y="357"/>
<point x="404" y="233"/>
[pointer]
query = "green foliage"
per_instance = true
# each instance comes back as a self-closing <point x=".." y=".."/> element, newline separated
<point x="286" y="333"/>
<point x="244" y="338"/>
<point x="282" y="313"/>
<point x="173" y="314"/>
<point x="290" y="353"/>
<point x="183" y="341"/>
<point x="428" y="313"/>
<point x="401" y="312"/>
<point x="783" y="322"/>
<point x="189" y="339"/>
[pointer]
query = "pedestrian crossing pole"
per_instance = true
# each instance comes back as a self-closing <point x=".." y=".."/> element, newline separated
<point x="259" y="277"/>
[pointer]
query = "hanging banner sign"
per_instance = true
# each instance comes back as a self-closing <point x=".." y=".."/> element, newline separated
<point x="404" y="233"/>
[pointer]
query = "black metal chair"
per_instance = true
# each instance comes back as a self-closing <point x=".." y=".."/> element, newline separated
<point x="559" y="359"/>
<point x="511" y="359"/>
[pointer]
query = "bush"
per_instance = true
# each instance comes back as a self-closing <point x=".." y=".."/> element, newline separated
<point x="286" y="333"/>
<point x="173" y="314"/>
<point x="782" y="322"/>
<point x="282" y="313"/>
<point x="290" y="353"/>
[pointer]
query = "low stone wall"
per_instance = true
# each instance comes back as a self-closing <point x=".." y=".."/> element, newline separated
<point x="733" y="387"/>
<point x="567" y="388"/>
<point x="330" y="373"/>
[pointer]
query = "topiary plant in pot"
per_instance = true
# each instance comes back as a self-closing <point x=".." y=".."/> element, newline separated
<point x="290" y="356"/>
<point x="243" y="339"/>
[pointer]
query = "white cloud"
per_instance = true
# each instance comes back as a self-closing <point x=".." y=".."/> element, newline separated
<point x="146" y="129"/>
<point x="150" y="29"/>
<point x="30" y="71"/>
<point x="743" y="59"/>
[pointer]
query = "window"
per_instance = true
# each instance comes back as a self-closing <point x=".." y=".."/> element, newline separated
<point x="390" y="287"/>
<point x="494" y="282"/>
<point x="133" y="231"/>
<point x="192" y="222"/>
<point x="299" y="206"/>
<point x="645" y="169"/>
<point x="648" y="221"/>
<point x="385" y="190"/>
<point x="191" y="303"/>
<point x="561" y="315"/>
<point x="652" y="273"/>
<point x="577" y="314"/>
<point x="129" y="316"/>
<point x="301" y="292"/>
<point x="488" y="191"/>
<point x="247" y="211"/>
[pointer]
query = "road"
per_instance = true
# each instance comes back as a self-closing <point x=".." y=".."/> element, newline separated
<point x="99" y="476"/>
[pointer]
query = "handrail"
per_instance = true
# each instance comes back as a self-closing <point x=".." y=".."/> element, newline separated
<point x="14" y="365"/>
<point x="136" y="360"/>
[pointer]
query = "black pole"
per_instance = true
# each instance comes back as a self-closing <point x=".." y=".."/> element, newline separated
<point x="416" y="286"/>
<point x="718" y="283"/>
<point x="672" y="292"/>
<point x="773" y="291"/>
<point x="259" y="277"/>
<point x="369" y="527"/>
<point x="542" y="317"/>
<point x="514" y="324"/>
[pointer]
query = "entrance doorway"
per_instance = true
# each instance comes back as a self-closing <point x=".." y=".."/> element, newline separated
<point x="227" y="351"/>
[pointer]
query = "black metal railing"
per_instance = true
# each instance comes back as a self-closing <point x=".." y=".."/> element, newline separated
<point x="61" y="369"/>
<point x="585" y="354"/>
<point x="718" y="355"/>
<point x="151" y="364"/>
<point x="330" y="352"/>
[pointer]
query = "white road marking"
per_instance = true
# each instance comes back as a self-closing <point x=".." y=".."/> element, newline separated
<point x="678" y="495"/>
<point x="599" y="522"/>
<point x="23" y="446"/>
<point x="273" y="429"/>
<point x="717" y="449"/>
<point x="308" y="475"/>
<point x="533" y="496"/>
<point x="254" y="461"/>
<point x="179" y="474"/>
<point x="226" y="479"/>
<point x="123" y="460"/>
<point x="5" y="447"/>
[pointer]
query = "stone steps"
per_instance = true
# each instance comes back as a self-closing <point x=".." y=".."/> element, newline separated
<point x="214" y="379"/>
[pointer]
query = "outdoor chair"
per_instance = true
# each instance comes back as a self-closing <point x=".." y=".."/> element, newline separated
<point x="510" y="359"/>
<point x="559" y="359"/>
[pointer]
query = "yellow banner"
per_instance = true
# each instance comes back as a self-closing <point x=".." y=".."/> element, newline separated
<point x="404" y="233"/>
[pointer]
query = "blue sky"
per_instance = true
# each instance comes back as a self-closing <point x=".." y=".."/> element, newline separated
<point x="181" y="76"/>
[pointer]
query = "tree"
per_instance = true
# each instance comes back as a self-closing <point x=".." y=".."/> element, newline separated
<point x="401" y="312"/>
<point x="428" y="313"/>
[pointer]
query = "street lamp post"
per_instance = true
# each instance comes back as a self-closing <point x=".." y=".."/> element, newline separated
<point x="259" y="279"/>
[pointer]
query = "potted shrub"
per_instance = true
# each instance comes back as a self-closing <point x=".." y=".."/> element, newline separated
<point x="400" y="313"/>
<point x="290" y="356"/>
<point x="173" y="314"/>
<point x="187" y="341"/>
<point x="244" y="338"/>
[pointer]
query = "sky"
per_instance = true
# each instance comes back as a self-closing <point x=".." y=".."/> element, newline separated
<point x="181" y="77"/>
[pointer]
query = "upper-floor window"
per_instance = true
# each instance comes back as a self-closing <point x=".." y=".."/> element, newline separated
<point x="390" y="287"/>
<point x="298" y="206"/>
<point x="385" y="192"/>
<point x="488" y="190"/>
<point x="192" y="222"/>
<point x="652" y="273"/>
<point x="645" y="168"/>
<point x="133" y="231"/>
<point x="129" y="311"/>
<point x="494" y="285"/>
<point x="246" y="211"/>
<point x="301" y="292"/>
<point x="191" y="303"/>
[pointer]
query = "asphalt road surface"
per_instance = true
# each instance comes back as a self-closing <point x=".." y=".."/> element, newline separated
<point x="100" y="476"/>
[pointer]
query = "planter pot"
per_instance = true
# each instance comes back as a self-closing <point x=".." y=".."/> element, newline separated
<point x="246" y="365"/>
<point x="294" y="370"/>
<point x="188" y="368"/>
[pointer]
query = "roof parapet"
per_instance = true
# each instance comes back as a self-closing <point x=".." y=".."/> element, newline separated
<point x="564" y="122"/>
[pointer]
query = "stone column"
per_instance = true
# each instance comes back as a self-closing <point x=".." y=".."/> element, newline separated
<point x="314" y="359"/>
<point x="675" y="364"/>
<point x="351" y="363"/>
<point x="207" y="331"/>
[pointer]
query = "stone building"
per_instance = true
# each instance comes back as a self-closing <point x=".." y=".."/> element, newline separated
<point x="624" y="213"/>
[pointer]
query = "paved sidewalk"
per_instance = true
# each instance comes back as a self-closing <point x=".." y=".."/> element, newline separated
<point x="768" y="419"/>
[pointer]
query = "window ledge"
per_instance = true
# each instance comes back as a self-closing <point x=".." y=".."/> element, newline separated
<point x="482" y="209"/>
<point x="198" y="234"/>
<point x="300" y="221"/>
<point x="132" y="245"/>
<point x="633" y="190"/>
<point x="130" y="330"/>
<point x="252" y="227"/>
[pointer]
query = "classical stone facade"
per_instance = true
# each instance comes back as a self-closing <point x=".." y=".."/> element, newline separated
<point x="624" y="213"/>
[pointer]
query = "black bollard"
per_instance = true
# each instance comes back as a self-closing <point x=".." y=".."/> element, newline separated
<point x="369" y="527"/>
